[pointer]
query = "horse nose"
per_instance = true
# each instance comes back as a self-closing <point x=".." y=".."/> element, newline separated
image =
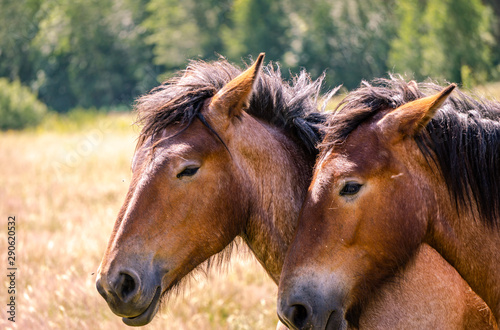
<point x="301" y="316"/>
<point x="124" y="286"/>
<point x="308" y="308"/>
<point x="100" y="288"/>
<point x="296" y="316"/>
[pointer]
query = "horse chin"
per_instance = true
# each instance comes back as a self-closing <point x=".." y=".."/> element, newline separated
<point x="148" y="314"/>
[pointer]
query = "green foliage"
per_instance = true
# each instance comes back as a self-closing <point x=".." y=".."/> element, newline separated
<point x="495" y="30"/>
<point x="257" y="26"/>
<point x="77" y="53"/>
<point x="185" y="29"/>
<point x="89" y="53"/>
<point x="19" y="107"/>
<point x="18" y="26"/>
<point x="443" y="39"/>
<point x="98" y="44"/>
<point x="350" y="38"/>
<point x="175" y="35"/>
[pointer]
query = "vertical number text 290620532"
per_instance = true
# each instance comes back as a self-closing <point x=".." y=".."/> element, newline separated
<point x="11" y="268"/>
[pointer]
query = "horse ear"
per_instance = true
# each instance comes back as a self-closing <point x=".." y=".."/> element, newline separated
<point x="410" y="118"/>
<point x="234" y="96"/>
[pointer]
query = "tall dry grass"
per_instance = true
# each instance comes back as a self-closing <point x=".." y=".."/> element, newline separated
<point x="65" y="184"/>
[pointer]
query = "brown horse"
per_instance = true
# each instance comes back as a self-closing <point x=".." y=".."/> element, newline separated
<point x="210" y="166"/>
<point x="396" y="169"/>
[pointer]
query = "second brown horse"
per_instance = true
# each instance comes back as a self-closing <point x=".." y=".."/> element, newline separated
<point x="402" y="164"/>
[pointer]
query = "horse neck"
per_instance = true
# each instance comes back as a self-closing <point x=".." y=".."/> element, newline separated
<point x="280" y="173"/>
<point x="471" y="247"/>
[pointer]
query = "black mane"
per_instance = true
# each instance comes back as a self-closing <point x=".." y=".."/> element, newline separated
<point x="293" y="107"/>
<point x="463" y="138"/>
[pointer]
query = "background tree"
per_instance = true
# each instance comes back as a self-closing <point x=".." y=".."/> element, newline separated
<point x="185" y="29"/>
<point x="495" y="30"/>
<point x="103" y="54"/>
<point x="446" y="39"/>
<point x="91" y="43"/>
<point x="349" y="38"/>
<point x="19" y="22"/>
<point x="257" y="26"/>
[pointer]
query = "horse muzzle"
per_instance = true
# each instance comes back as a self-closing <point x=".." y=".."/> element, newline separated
<point x="309" y="305"/>
<point x="133" y="297"/>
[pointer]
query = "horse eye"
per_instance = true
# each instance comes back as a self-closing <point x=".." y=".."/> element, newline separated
<point x="188" y="171"/>
<point x="350" y="188"/>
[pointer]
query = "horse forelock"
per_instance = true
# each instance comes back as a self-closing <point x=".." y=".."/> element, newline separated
<point x="291" y="106"/>
<point x="463" y="138"/>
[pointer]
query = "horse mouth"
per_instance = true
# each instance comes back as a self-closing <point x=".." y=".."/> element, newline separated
<point x="146" y="316"/>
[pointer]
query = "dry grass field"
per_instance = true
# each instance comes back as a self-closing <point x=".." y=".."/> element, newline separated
<point x="65" y="183"/>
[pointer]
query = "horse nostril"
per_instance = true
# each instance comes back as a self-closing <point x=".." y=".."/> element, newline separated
<point x="126" y="285"/>
<point x="297" y="315"/>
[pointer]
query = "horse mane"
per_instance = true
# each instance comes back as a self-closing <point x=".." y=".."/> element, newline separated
<point x="291" y="106"/>
<point x="463" y="138"/>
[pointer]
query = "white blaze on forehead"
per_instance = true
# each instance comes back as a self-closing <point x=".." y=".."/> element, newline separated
<point x="330" y="168"/>
<point x="176" y="150"/>
<point x="162" y="155"/>
<point x="321" y="178"/>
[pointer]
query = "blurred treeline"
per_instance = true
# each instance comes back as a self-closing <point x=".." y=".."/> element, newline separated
<point x="103" y="54"/>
